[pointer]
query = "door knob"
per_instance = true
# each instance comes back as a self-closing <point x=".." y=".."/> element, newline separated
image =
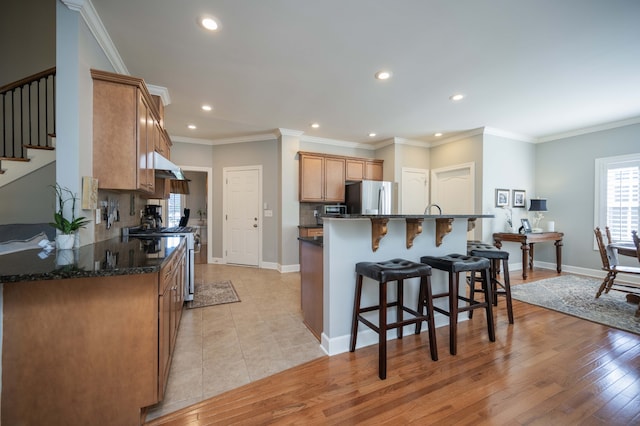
<point x="255" y="225"/>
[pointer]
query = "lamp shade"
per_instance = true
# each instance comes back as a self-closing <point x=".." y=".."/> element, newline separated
<point x="538" y="205"/>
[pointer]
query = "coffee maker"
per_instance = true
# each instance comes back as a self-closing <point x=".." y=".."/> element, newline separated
<point x="152" y="218"/>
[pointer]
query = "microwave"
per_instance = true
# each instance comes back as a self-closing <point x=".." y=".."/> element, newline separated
<point x="335" y="209"/>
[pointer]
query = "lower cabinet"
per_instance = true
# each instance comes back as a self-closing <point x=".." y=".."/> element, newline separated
<point x="311" y="295"/>
<point x="87" y="350"/>
<point x="170" y="303"/>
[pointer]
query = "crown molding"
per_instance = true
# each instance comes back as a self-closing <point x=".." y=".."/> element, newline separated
<point x="163" y="92"/>
<point x="289" y="132"/>
<point x="508" y="135"/>
<point x="591" y="129"/>
<point x="336" y="142"/>
<point x="93" y="21"/>
<point x="225" y="141"/>
<point x="459" y="136"/>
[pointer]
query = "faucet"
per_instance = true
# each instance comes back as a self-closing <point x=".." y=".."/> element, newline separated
<point x="426" y="209"/>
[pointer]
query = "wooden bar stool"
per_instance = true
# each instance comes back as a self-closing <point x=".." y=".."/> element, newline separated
<point x="454" y="264"/>
<point x="392" y="270"/>
<point x="480" y="249"/>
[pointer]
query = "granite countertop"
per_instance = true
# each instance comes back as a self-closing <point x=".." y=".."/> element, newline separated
<point x="408" y="216"/>
<point x="310" y="226"/>
<point x="312" y="240"/>
<point x="117" y="256"/>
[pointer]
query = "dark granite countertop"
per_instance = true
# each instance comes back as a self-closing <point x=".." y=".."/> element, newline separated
<point x="117" y="256"/>
<point x="310" y="226"/>
<point x="408" y="216"/>
<point x="312" y="240"/>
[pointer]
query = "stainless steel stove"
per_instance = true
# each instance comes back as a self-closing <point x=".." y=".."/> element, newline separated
<point x="190" y="235"/>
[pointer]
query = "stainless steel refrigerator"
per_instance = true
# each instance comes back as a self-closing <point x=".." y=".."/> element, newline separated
<point x="369" y="197"/>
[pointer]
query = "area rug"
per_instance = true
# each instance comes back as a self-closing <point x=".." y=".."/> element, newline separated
<point x="215" y="293"/>
<point x="575" y="296"/>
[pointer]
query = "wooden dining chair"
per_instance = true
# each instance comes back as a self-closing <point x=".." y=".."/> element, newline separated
<point x="609" y="257"/>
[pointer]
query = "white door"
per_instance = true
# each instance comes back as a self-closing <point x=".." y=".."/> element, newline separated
<point x="453" y="189"/>
<point x="415" y="190"/>
<point x="242" y="219"/>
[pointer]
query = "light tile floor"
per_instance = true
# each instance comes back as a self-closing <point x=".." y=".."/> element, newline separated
<point x="222" y="347"/>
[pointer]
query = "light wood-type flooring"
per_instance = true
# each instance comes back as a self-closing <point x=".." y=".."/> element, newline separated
<point x="546" y="369"/>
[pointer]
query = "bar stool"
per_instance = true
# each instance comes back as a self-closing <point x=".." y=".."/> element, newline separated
<point x="453" y="264"/>
<point x="480" y="249"/>
<point x="392" y="270"/>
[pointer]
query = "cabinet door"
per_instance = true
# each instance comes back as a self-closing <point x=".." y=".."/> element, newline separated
<point x="354" y="169"/>
<point x="373" y="170"/>
<point x="334" y="179"/>
<point x="164" y="337"/>
<point x="311" y="178"/>
<point x="145" y="137"/>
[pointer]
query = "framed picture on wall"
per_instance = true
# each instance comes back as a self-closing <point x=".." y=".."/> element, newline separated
<point x="519" y="198"/>
<point x="502" y="198"/>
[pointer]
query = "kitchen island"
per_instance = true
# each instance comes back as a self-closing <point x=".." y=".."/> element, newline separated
<point x="350" y="239"/>
<point x="88" y="333"/>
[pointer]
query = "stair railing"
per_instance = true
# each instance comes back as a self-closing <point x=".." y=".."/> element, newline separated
<point x="27" y="111"/>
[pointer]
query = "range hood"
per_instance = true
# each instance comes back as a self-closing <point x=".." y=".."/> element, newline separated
<point x="165" y="169"/>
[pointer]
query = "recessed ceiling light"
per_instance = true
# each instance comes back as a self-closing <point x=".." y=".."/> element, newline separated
<point x="315" y="125"/>
<point x="206" y="107"/>
<point x="457" y="97"/>
<point x="371" y="135"/>
<point x="383" y="75"/>
<point x="208" y="23"/>
<point x="192" y="126"/>
<point x="437" y="135"/>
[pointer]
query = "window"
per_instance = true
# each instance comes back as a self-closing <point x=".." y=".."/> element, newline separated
<point x="176" y="201"/>
<point x="618" y="195"/>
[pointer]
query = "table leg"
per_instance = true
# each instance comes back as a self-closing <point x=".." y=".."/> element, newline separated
<point x="559" y="255"/>
<point x="525" y="260"/>
<point x="531" y="256"/>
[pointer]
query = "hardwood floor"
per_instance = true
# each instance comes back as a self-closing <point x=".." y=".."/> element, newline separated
<point x="546" y="369"/>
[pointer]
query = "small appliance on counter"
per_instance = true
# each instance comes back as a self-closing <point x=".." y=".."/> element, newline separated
<point x="152" y="218"/>
<point x="331" y="210"/>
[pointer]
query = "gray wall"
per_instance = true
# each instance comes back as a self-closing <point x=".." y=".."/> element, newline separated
<point x="565" y="175"/>
<point x="218" y="157"/>
<point x="26" y="26"/>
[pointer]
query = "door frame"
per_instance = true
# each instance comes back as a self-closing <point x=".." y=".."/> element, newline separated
<point x="209" y="172"/>
<point x="225" y="171"/>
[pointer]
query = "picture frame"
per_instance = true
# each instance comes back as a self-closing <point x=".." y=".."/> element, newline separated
<point x="519" y="198"/>
<point x="526" y="226"/>
<point x="502" y="197"/>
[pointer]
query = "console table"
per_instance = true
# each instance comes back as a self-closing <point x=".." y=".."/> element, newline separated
<point x="527" y="241"/>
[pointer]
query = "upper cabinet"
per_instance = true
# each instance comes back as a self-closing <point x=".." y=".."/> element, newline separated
<point x="126" y="131"/>
<point x="363" y="169"/>
<point x="321" y="178"/>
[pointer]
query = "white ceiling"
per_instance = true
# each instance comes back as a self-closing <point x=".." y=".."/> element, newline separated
<point x="534" y="68"/>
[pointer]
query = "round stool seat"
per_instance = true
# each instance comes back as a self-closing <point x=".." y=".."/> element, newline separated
<point x="392" y="270"/>
<point x="456" y="262"/>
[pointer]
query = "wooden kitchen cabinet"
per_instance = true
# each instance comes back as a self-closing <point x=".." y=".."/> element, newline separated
<point x="89" y="350"/>
<point x="311" y="286"/>
<point x="354" y="168"/>
<point x="171" y="299"/>
<point x="322" y="178"/>
<point x="373" y="169"/>
<point x="310" y="232"/>
<point x="126" y="130"/>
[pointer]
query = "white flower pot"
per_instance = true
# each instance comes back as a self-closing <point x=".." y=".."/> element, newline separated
<point x="65" y="241"/>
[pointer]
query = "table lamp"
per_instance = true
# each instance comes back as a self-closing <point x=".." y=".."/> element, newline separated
<point x="538" y="205"/>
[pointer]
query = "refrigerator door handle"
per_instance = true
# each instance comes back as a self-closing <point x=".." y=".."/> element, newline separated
<point x="381" y="198"/>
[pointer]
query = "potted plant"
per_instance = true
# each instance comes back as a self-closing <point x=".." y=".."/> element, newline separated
<point x="67" y="227"/>
<point x="202" y="213"/>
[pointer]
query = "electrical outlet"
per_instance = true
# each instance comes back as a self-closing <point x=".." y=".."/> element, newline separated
<point x="315" y="213"/>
